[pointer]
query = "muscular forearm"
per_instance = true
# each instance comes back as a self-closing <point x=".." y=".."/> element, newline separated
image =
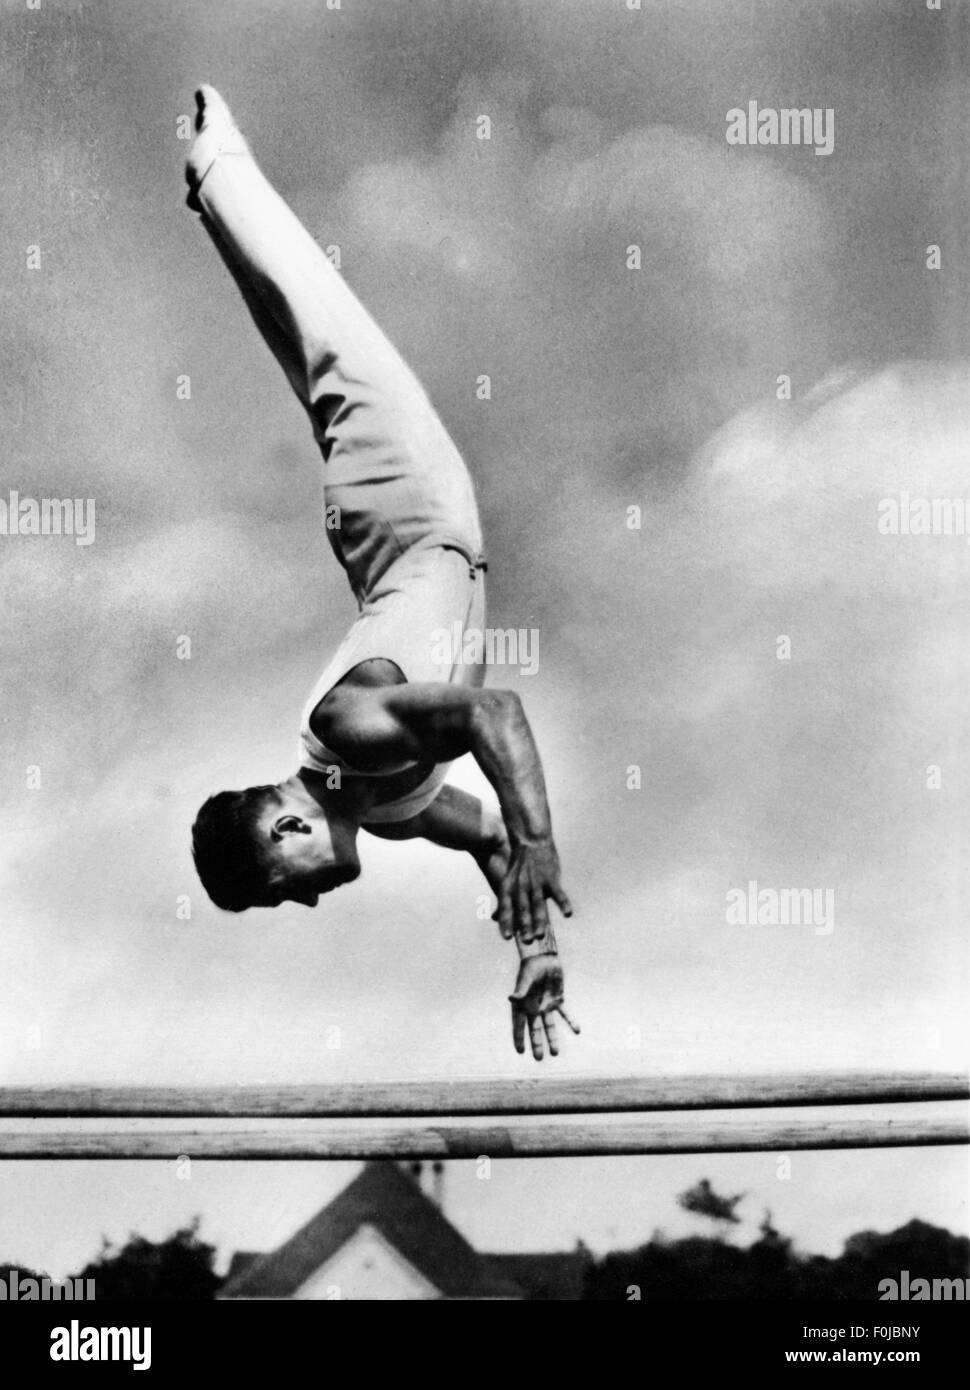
<point x="505" y="750"/>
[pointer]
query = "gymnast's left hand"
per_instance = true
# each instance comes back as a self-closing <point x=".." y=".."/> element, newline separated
<point x="536" y="1000"/>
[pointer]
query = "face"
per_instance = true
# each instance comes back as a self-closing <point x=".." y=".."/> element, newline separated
<point x="310" y="853"/>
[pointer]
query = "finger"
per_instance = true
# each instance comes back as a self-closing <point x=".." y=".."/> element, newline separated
<point x="504" y="914"/>
<point x="552" y="1033"/>
<point x="535" y="1028"/>
<point x="518" y="1028"/>
<point x="504" y="929"/>
<point x="574" y="1026"/>
<point x="523" y="911"/>
<point x="561" y="900"/>
<point x="540" y="916"/>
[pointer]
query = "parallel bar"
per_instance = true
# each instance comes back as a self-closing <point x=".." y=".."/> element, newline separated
<point x="516" y="1136"/>
<point x="552" y="1095"/>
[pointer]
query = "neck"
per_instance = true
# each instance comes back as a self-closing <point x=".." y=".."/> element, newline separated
<point x="349" y="802"/>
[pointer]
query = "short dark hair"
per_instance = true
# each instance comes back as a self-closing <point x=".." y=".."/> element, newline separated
<point x="231" y="860"/>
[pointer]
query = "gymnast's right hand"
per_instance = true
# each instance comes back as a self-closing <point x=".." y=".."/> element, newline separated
<point x="532" y="876"/>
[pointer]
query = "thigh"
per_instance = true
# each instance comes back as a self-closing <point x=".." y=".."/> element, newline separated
<point x="391" y="496"/>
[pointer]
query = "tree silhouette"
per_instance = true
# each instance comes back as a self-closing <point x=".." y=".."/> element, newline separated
<point x="709" y="1268"/>
<point x="177" y="1268"/>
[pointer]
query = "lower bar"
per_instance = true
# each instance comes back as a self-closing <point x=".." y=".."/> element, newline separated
<point x="511" y="1136"/>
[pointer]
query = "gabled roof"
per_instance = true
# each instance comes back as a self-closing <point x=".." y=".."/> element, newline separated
<point x="384" y="1197"/>
<point x="242" y="1259"/>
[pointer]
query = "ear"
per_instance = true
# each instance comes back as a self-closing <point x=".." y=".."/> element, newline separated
<point x="288" y="825"/>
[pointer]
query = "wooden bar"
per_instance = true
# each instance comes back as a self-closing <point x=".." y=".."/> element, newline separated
<point x="533" y="1096"/>
<point x="514" y="1136"/>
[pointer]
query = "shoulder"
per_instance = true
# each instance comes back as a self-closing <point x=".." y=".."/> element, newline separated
<point x="337" y="705"/>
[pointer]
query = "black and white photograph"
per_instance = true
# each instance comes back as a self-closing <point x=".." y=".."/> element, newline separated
<point x="485" y="572"/>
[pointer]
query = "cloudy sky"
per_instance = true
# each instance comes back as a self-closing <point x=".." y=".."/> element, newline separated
<point x="612" y="388"/>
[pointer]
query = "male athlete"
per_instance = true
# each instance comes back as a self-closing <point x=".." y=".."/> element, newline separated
<point x="386" y="717"/>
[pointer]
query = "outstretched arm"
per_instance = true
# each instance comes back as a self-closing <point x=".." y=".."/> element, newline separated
<point x="372" y="726"/>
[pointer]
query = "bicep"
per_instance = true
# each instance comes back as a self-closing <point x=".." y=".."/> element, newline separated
<point x="457" y="820"/>
<point x="372" y="726"/>
<point x="454" y="820"/>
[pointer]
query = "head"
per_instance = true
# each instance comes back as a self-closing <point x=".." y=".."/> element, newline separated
<point x="267" y="845"/>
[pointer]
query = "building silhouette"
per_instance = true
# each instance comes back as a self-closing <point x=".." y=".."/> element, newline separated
<point x="385" y="1236"/>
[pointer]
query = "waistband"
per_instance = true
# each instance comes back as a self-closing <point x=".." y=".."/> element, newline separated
<point x="475" y="558"/>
